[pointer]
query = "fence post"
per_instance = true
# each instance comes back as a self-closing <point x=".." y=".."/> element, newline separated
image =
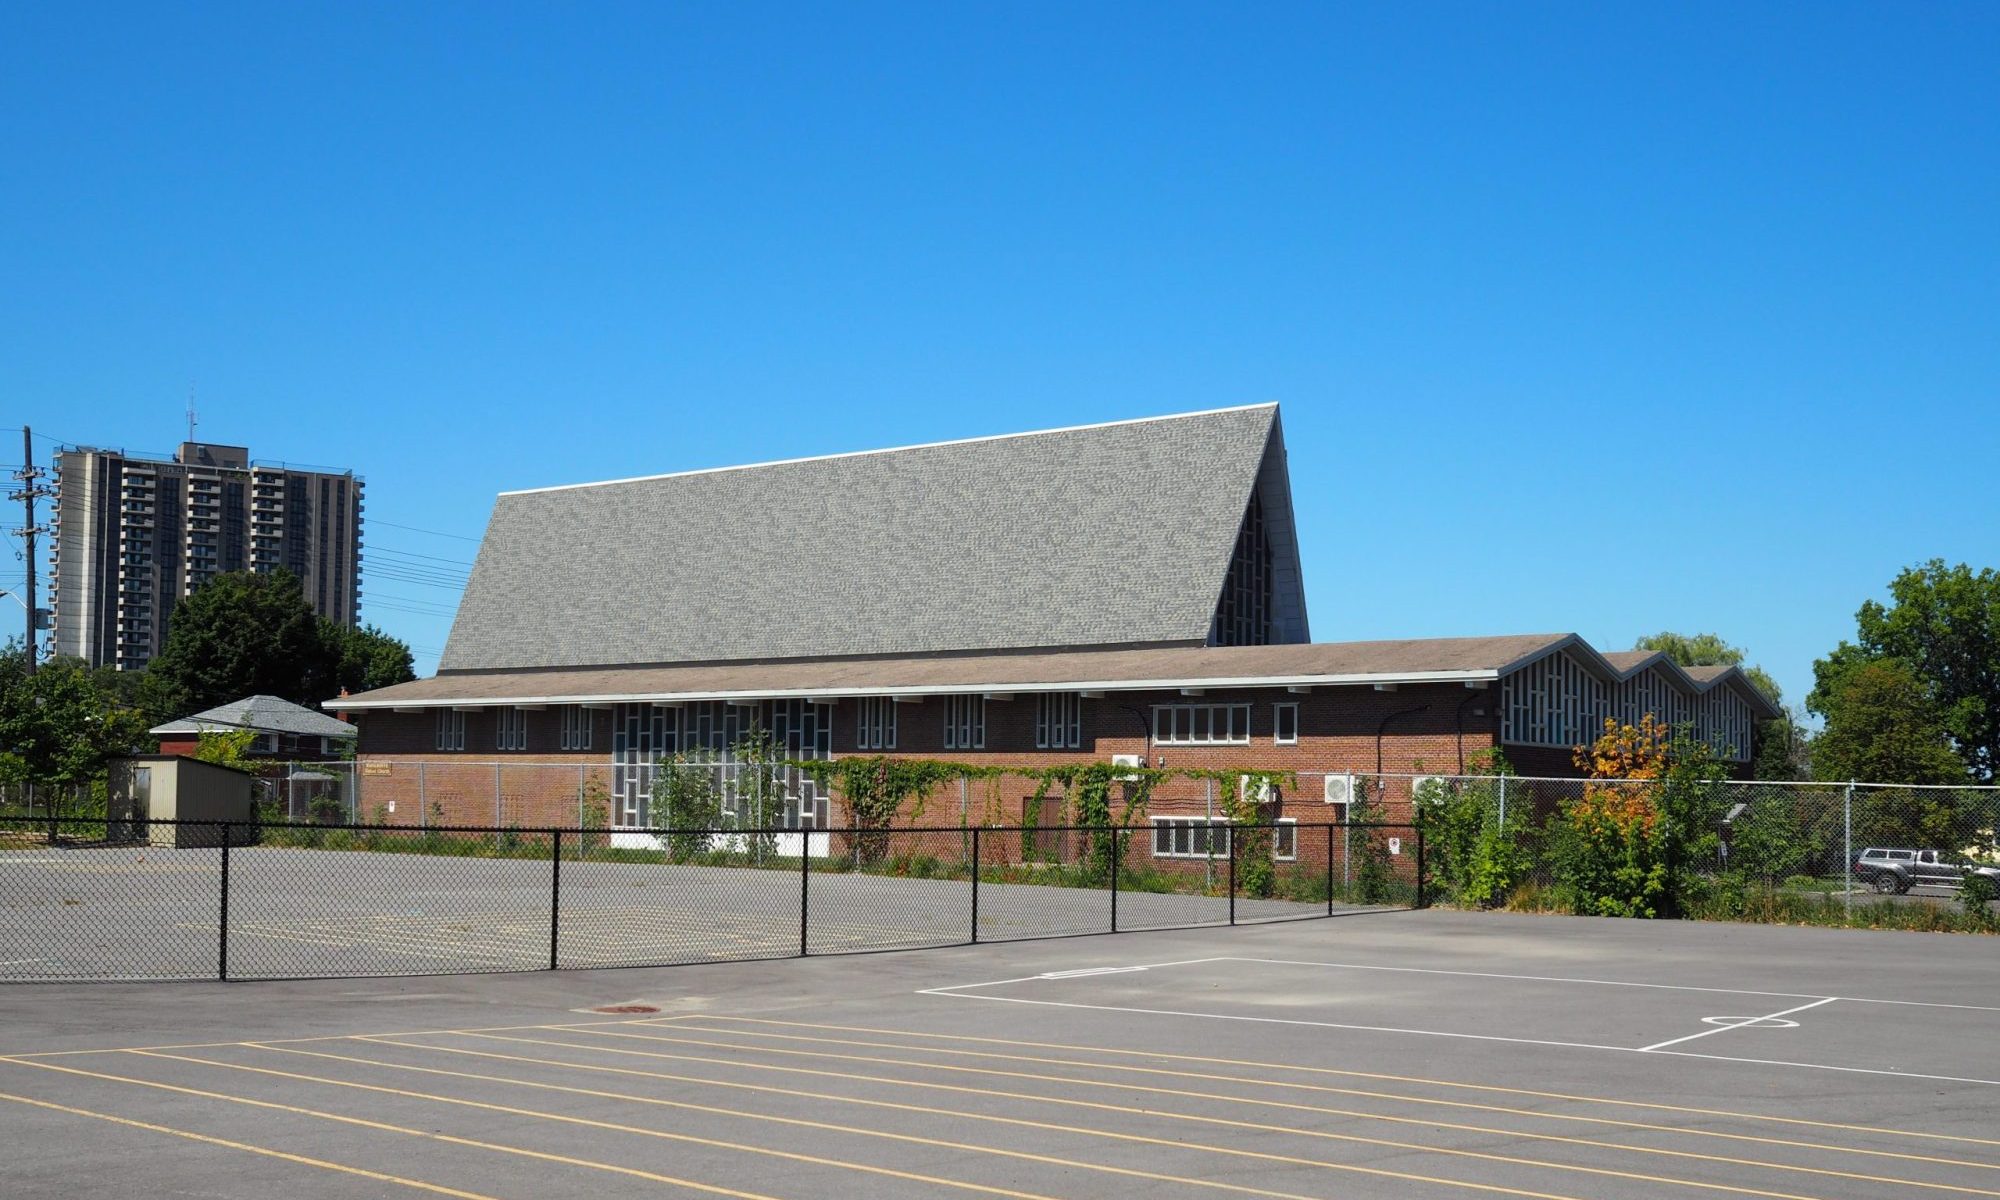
<point x="555" y="894"/>
<point x="975" y="885"/>
<point x="1117" y="861"/>
<point x="499" y="818"/>
<point x="1208" y="815"/>
<point x="805" y="888"/>
<point x="1847" y="848"/>
<point x="1229" y="831"/>
<point x="222" y="922"/>
<point x="1329" y="870"/>
<point x="423" y="799"/>
<point x="1420" y="865"/>
<point x="1503" y="802"/>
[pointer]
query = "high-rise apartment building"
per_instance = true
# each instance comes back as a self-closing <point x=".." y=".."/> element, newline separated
<point x="135" y="535"/>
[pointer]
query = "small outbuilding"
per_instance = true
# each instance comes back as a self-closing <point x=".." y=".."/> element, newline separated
<point x="174" y="788"/>
<point x="283" y="729"/>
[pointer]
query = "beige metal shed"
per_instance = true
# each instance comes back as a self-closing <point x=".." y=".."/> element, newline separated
<point x="173" y="787"/>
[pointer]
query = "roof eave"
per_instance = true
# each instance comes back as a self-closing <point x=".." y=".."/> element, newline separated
<point x="1355" y="679"/>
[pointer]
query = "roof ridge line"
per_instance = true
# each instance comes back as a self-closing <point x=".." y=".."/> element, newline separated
<point x="991" y="437"/>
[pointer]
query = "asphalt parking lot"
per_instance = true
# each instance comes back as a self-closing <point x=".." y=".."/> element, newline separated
<point x="1391" y="1054"/>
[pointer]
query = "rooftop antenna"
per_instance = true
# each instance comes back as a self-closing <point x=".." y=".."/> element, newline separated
<point x="190" y="414"/>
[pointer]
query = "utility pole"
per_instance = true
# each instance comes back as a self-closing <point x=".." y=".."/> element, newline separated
<point x="30" y="477"/>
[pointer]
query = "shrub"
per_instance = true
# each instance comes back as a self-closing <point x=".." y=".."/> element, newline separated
<point x="1976" y="898"/>
<point x="1473" y="856"/>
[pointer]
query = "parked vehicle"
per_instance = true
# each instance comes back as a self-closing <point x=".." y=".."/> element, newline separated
<point x="1898" y="869"/>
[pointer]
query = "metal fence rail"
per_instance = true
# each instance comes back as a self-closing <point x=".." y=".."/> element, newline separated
<point x="98" y="899"/>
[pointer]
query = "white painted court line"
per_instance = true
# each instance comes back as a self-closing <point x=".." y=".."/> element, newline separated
<point x="1083" y="972"/>
<point x="1169" y="1012"/>
<point x="963" y="992"/>
<point x="1735" y="1023"/>
<point x="1183" y="962"/>
<point x="1670" y="987"/>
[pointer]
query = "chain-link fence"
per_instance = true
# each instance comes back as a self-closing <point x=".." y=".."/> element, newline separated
<point x="1823" y="852"/>
<point x="104" y="899"/>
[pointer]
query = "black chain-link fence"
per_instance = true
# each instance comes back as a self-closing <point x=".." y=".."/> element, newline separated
<point x="97" y="899"/>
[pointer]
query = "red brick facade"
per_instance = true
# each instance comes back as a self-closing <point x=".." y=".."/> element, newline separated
<point x="1422" y="728"/>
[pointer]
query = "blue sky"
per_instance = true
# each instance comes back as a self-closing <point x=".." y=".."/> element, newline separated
<point x="1611" y="318"/>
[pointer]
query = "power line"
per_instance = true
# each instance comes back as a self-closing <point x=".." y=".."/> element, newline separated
<point x="439" y="581"/>
<point x="373" y="605"/>
<point x="402" y="599"/>
<point x="413" y="529"/>
<point x="457" y="562"/>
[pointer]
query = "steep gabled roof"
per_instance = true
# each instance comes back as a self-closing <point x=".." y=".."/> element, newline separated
<point x="265" y="714"/>
<point x="1103" y="535"/>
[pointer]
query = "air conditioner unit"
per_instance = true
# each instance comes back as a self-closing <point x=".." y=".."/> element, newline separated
<point x="1340" y="789"/>
<point x="1420" y="782"/>
<point x="1261" y="794"/>
<point x="1128" y="760"/>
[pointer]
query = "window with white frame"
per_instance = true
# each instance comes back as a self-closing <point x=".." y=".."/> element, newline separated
<point x="1190" y="837"/>
<point x="575" y="727"/>
<point x="1285" y="723"/>
<point x="1285" y="839"/>
<point x="510" y="729"/>
<point x="875" y="726"/>
<point x="1058" y="721"/>
<point x="965" y="722"/>
<point x="1201" y="724"/>
<point x="264" y="743"/>
<point x="450" y="729"/>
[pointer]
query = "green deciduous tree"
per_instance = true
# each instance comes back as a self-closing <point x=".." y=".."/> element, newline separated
<point x="224" y="747"/>
<point x="1943" y="624"/>
<point x="57" y="724"/>
<point x="365" y="658"/>
<point x="1709" y="650"/>
<point x="1882" y="726"/>
<point x="241" y="634"/>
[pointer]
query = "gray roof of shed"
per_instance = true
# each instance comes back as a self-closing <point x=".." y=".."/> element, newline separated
<point x="1104" y="535"/>
<point x="266" y="714"/>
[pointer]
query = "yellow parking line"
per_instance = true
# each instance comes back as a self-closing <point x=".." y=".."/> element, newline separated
<point x="573" y="1120"/>
<point x="1261" y="1127"/>
<point x="1290" y="1085"/>
<point x="384" y="1127"/>
<point x="862" y="1131"/>
<point x="1362" y="1114"/>
<point x="1447" y="1083"/>
<point x="1084" y="1130"/>
<point x="301" y="1159"/>
<point x="339" y="1037"/>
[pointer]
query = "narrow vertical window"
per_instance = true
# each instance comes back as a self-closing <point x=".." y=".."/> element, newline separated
<point x="1285" y="724"/>
<point x="965" y="723"/>
<point x="576" y="727"/>
<point x="875" y="723"/>
<point x="510" y="729"/>
<point x="450" y="729"/>
<point x="1285" y="839"/>
<point x="1058" y="721"/>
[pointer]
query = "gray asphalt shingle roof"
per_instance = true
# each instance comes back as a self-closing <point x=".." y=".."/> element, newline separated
<point x="266" y="714"/>
<point x="1105" y="535"/>
<point x="1134" y="668"/>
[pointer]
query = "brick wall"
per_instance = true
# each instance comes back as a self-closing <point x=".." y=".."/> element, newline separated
<point x="1337" y="732"/>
